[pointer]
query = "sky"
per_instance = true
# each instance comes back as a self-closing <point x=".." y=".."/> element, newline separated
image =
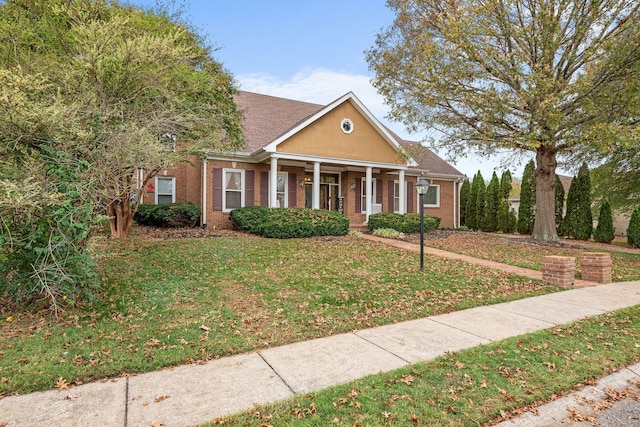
<point x="308" y="50"/>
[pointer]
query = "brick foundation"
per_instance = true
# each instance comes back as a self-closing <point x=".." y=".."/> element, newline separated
<point x="559" y="270"/>
<point x="596" y="266"/>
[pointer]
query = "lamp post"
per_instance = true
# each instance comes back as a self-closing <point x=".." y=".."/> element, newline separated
<point x="422" y="186"/>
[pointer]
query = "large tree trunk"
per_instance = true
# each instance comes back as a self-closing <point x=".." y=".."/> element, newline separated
<point x="545" y="215"/>
<point x="121" y="218"/>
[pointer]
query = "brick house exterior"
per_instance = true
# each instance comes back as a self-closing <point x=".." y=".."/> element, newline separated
<point x="299" y="154"/>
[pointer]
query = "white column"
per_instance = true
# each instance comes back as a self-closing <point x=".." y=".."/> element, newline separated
<point x="316" y="186"/>
<point x="403" y="193"/>
<point x="204" y="190"/>
<point x="455" y="208"/>
<point x="369" y="198"/>
<point x="273" y="183"/>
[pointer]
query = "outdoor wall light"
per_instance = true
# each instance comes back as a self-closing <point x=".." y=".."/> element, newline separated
<point x="422" y="186"/>
<point x="301" y="183"/>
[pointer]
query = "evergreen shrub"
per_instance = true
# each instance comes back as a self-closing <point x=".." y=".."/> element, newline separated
<point x="633" y="230"/>
<point x="288" y="223"/>
<point x="604" y="232"/>
<point x="407" y="223"/>
<point x="169" y="215"/>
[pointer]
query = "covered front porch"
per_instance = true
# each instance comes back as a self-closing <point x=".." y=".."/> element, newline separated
<point x="356" y="189"/>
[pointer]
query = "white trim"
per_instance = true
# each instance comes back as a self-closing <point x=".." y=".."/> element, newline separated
<point x="224" y="188"/>
<point x="349" y="124"/>
<point x="403" y="192"/>
<point x="204" y="191"/>
<point x="173" y="188"/>
<point x="363" y="187"/>
<point x="285" y="191"/>
<point x="273" y="182"/>
<point x="437" y="204"/>
<point x="315" y="198"/>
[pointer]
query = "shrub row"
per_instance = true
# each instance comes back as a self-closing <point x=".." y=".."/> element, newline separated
<point x="173" y="215"/>
<point x="287" y="223"/>
<point x="407" y="223"/>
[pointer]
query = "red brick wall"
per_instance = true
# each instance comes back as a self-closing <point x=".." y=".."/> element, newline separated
<point x="189" y="188"/>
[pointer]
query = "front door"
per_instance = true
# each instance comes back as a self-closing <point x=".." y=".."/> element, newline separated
<point x="329" y="191"/>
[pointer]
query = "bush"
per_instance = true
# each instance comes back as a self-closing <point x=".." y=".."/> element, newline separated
<point x="408" y="223"/>
<point x="173" y="215"/>
<point x="633" y="231"/>
<point x="604" y="232"/>
<point x="287" y="223"/>
<point x="250" y="218"/>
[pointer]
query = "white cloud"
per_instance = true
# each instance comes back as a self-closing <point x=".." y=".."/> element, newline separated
<point x="321" y="86"/>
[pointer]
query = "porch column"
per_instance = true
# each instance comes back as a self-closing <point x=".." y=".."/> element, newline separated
<point x="273" y="183"/>
<point x="316" y="186"/>
<point x="204" y="191"/>
<point x="403" y="192"/>
<point x="368" y="198"/>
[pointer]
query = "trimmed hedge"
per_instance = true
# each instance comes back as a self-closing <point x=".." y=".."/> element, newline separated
<point x="169" y="215"/>
<point x="407" y="223"/>
<point x="288" y="223"/>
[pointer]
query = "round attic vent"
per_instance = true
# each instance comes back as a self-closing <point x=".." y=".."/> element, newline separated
<point x="346" y="125"/>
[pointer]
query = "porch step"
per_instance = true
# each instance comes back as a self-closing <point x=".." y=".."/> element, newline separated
<point x="359" y="227"/>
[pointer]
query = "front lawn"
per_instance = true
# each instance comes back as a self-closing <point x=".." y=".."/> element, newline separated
<point x="175" y="301"/>
<point x="523" y="252"/>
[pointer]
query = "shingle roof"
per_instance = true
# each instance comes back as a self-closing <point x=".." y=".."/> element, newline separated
<point x="268" y="117"/>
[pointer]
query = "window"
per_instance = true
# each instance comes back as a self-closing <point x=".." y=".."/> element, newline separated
<point x="281" y="190"/>
<point x="347" y="126"/>
<point x="364" y="194"/>
<point x="432" y="198"/>
<point x="165" y="190"/>
<point x="232" y="189"/>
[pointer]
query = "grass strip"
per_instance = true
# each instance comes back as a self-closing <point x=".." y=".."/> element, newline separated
<point x="471" y="387"/>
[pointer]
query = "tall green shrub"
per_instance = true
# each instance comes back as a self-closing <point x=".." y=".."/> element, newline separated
<point x="505" y="184"/>
<point x="604" y="232"/>
<point x="506" y="217"/>
<point x="470" y="217"/>
<point x="578" y="222"/>
<point x="465" y="189"/>
<point x="480" y="202"/>
<point x="526" y="217"/>
<point x="492" y="205"/>
<point x="559" y="205"/>
<point x="633" y="230"/>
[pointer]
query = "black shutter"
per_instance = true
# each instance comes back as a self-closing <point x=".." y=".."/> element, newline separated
<point x="264" y="188"/>
<point x="391" y="188"/>
<point x="217" y="189"/>
<point x="293" y="190"/>
<point x="409" y="197"/>
<point x="358" y="192"/>
<point x="249" y="191"/>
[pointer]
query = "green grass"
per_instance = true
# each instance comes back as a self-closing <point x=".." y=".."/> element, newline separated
<point x="175" y="301"/>
<point x="471" y="387"/>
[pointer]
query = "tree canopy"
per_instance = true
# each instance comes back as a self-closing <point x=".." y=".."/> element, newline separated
<point x="541" y="76"/>
<point x="95" y="99"/>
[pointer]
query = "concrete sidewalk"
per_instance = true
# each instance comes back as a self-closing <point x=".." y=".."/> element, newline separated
<point x="193" y="394"/>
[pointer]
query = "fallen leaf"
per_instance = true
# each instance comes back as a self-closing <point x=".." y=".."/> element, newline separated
<point x="204" y="328"/>
<point x="459" y="364"/>
<point x="160" y="399"/>
<point x="407" y="379"/>
<point x="62" y="384"/>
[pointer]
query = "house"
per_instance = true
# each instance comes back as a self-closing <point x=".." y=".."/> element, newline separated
<point x="299" y="154"/>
